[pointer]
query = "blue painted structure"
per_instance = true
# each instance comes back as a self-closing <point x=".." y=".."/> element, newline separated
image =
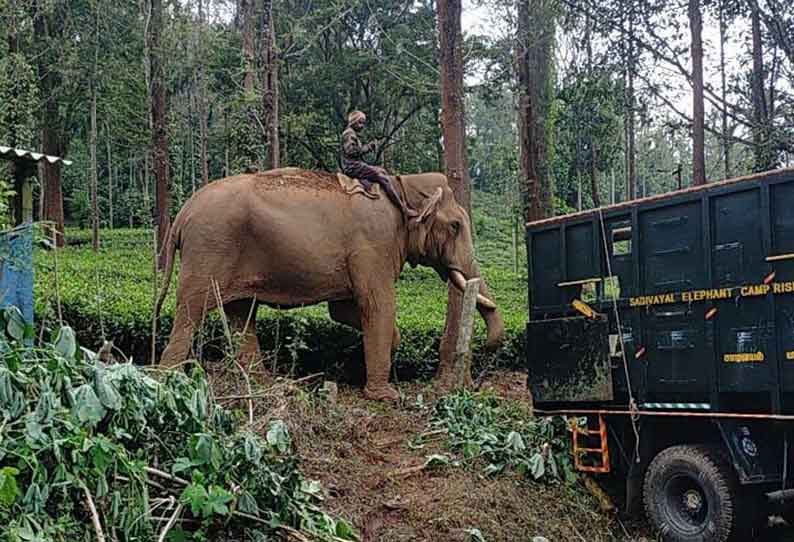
<point x="16" y="269"/>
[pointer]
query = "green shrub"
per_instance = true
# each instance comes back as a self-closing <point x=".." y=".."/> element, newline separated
<point x="78" y="433"/>
<point x="499" y="434"/>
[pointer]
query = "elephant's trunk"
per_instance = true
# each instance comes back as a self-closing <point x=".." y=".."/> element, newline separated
<point x="460" y="282"/>
<point x="486" y="307"/>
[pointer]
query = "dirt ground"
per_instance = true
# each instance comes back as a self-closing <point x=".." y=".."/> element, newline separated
<point x="366" y="457"/>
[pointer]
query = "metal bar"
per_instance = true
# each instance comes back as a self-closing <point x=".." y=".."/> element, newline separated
<point x="578" y="282"/>
<point x="779" y="257"/>
<point x="726" y="415"/>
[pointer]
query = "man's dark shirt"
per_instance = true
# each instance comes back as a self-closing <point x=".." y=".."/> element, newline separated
<point x="352" y="149"/>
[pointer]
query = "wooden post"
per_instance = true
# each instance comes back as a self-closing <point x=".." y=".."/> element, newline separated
<point x="23" y="200"/>
<point x="462" y="362"/>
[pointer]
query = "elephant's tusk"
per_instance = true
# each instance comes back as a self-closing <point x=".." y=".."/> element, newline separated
<point x="459" y="280"/>
<point x="485" y="302"/>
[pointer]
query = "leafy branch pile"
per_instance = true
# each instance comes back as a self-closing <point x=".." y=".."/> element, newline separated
<point x="502" y="435"/>
<point x="90" y="451"/>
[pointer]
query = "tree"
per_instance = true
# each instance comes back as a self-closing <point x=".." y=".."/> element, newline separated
<point x="535" y="34"/>
<point x="48" y="30"/>
<point x="269" y="80"/>
<point x="202" y="96"/>
<point x="764" y="154"/>
<point x="726" y="145"/>
<point x="698" y="135"/>
<point x="159" y="128"/>
<point x="529" y="183"/>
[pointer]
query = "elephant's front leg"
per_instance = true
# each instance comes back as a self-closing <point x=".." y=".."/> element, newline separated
<point x="377" y="310"/>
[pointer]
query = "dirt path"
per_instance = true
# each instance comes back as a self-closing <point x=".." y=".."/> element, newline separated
<point x="363" y="454"/>
<point x="372" y="470"/>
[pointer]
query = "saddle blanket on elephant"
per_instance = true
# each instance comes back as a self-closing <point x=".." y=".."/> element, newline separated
<point x="353" y="186"/>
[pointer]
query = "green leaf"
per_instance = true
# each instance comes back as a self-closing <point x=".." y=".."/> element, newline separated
<point x="15" y="323"/>
<point x="181" y="464"/>
<point x="312" y="487"/>
<point x="65" y="343"/>
<point x="177" y="534"/>
<point x="278" y="436"/>
<point x="253" y="451"/>
<point x="437" y="460"/>
<point x="217" y="501"/>
<point x="471" y="449"/>
<point x="494" y="468"/>
<point x="345" y="530"/>
<point x="474" y="535"/>
<point x="515" y="442"/>
<point x="536" y="467"/>
<point x="196" y="496"/>
<point x="106" y="391"/>
<point x="86" y="405"/>
<point x="9" y="491"/>
<point x="247" y="504"/>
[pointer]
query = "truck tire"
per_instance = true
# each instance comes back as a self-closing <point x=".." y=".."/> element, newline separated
<point x="691" y="495"/>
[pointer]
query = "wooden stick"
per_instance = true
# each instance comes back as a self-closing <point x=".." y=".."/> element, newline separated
<point x="100" y="536"/>
<point x="162" y="474"/>
<point x="269" y="391"/>
<point x="154" y="295"/>
<point x="55" y="262"/>
<point x="170" y="523"/>
<point x="462" y="362"/>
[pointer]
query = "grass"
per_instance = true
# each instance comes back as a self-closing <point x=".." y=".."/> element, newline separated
<point x="109" y="295"/>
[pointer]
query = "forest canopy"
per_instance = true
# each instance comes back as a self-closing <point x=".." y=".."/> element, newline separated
<point x="176" y="93"/>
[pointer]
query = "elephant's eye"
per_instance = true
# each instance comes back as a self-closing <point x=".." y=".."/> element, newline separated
<point x="456" y="227"/>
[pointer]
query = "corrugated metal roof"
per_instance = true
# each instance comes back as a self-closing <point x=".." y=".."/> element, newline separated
<point x="9" y="152"/>
<point x="625" y="204"/>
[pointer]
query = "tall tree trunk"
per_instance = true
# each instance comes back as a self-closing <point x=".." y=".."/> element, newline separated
<point x="630" y="63"/>
<point x="110" y="177"/>
<point x="52" y="133"/>
<point x="535" y="36"/>
<point x="159" y="128"/>
<point x="202" y="99"/>
<point x="529" y="185"/>
<point x="248" y="19"/>
<point x="763" y="155"/>
<point x="455" y="159"/>
<point x="268" y="65"/>
<point x="698" y="114"/>
<point x="452" y="101"/>
<point x="94" y="173"/>
<point x="541" y="58"/>
<point x="592" y="118"/>
<point x="726" y="149"/>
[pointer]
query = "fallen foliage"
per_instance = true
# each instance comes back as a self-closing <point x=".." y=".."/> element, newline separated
<point x="95" y="451"/>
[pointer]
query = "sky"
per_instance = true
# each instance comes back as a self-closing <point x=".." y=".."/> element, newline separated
<point x="479" y="20"/>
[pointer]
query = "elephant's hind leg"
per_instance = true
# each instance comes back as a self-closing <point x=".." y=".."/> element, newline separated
<point x="242" y="317"/>
<point x="181" y="340"/>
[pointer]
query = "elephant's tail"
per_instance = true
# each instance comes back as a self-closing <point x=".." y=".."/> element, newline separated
<point x="171" y="244"/>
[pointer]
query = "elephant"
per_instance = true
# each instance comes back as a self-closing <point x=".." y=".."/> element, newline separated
<point x="291" y="237"/>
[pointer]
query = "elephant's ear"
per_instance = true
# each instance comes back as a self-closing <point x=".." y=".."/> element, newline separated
<point x="429" y="207"/>
<point x="420" y="227"/>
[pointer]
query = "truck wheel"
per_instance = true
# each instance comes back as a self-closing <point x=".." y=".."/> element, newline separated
<point x="691" y="495"/>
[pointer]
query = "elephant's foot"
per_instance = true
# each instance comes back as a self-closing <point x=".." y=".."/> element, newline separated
<point x="384" y="392"/>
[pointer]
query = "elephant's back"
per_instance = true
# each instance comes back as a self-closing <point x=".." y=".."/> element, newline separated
<point x="279" y="208"/>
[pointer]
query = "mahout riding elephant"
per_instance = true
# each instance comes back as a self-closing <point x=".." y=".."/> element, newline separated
<point x="291" y="237"/>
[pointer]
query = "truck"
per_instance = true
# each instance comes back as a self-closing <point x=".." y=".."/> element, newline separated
<point x="663" y="329"/>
